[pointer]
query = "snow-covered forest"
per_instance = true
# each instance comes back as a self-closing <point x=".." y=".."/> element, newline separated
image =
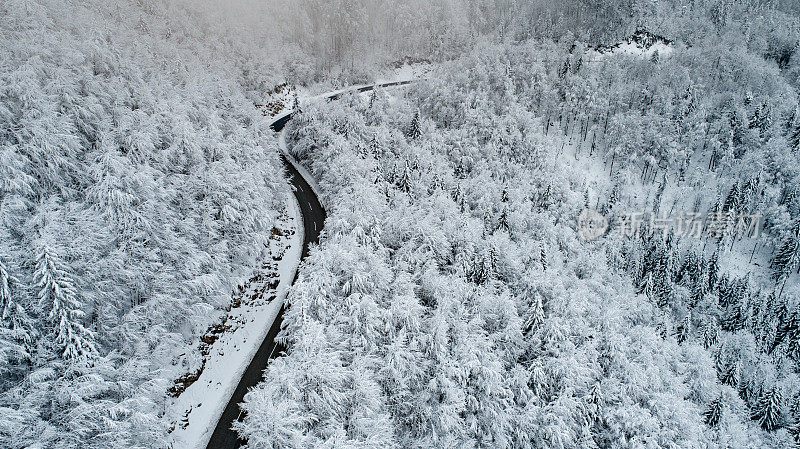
<point x="453" y="299"/>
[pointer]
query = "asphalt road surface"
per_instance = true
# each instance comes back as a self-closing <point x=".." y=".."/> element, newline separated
<point x="313" y="220"/>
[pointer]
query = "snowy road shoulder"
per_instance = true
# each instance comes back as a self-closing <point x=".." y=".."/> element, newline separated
<point x="195" y="413"/>
<point x="300" y="168"/>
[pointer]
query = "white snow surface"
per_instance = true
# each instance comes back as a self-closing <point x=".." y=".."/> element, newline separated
<point x="406" y="72"/>
<point x="202" y="403"/>
<point x="633" y="49"/>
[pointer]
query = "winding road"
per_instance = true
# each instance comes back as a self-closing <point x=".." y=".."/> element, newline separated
<point x="313" y="214"/>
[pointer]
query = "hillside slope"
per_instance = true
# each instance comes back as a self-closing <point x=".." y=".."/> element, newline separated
<point x="453" y="301"/>
<point x="135" y="193"/>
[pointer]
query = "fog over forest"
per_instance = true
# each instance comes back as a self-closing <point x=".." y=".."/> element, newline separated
<point x="384" y="224"/>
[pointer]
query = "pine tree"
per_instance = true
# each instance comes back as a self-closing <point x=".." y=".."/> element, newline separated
<point x="686" y="274"/>
<point x="5" y="291"/>
<point x="734" y="319"/>
<point x="789" y="331"/>
<point x="544" y="199"/>
<point x="662" y="292"/>
<point x="710" y="334"/>
<point x="415" y="128"/>
<point x="727" y="371"/>
<point x="58" y="301"/>
<point x="794" y="137"/>
<point x="794" y="428"/>
<point x="595" y="401"/>
<point x="713" y="271"/>
<point x="404" y="180"/>
<point x="761" y="119"/>
<point x="713" y="413"/>
<point x="373" y="97"/>
<point x="16" y="330"/>
<point x="543" y="257"/>
<point x="536" y="315"/>
<point x="648" y="286"/>
<point x="502" y="222"/>
<point x="767" y="410"/>
<point x="728" y="293"/>
<point x="654" y="58"/>
<point x="685" y="328"/>
<point x="733" y="200"/>
<point x="787" y="258"/>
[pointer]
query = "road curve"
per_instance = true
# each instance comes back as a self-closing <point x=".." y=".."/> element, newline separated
<point x="224" y="437"/>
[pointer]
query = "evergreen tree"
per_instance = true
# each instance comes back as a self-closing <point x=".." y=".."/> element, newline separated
<point x="732" y="201"/>
<point x="688" y="273"/>
<point x="16" y="331"/>
<point x="415" y="128"/>
<point x="734" y="319"/>
<point x="785" y="321"/>
<point x="502" y="222"/>
<point x="697" y="294"/>
<point x="404" y="180"/>
<point x="794" y="137"/>
<point x="543" y="257"/>
<point x="761" y="119"/>
<point x="794" y="428"/>
<point x="713" y="271"/>
<point x="713" y="413"/>
<point x="5" y="291"/>
<point x="726" y="292"/>
<point x="710" y="334"/>
<point x="787" y="258"/>
<point x="59" y="303"/>
<point x="789" y="332"/>
<point x="727" y="370"/>
<point x="768" y="409"/>
<point x="648" y="286"/>
<point x="685" y="328"/>
<point x="536" y="315"/>
<point x="663" y="289"/>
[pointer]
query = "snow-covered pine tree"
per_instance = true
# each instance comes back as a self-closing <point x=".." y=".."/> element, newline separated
<point x="727" y="292"/>
<point x="794" y="417"/>
<point x="689" y="272"/>
<point x="768" y="410"/>
<point x="59" y="303"/>
<point x="733" y="319"/>
<point x="727" y="372"/>
<point x="794" y="137"/>
<point x="404" y="180"/>
<point x="685" y="328"/>
<point x="535" y="315"/>
<point x="789" y="332"/>
<point x="415" y="128"/>
<point x="713" y="413"/>
<point x="543" y="257"/>
<point x="5" y="290"/>
<point x="662" y="289"/>
<point x="697" y="294"/>
<point x="787" y="258"/>
<point x="648" y="286"/>
<point x="710" y="334"/>
<point x="713" y="271"/>
<point x="16" y="331"/>
<point x="760" y="120"/>
<point x="733" y="200"/>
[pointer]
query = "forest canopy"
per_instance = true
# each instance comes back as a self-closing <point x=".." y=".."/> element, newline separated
<point x="451" y="301"/>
